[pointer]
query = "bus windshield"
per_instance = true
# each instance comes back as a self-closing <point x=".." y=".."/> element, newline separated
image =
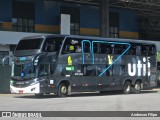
<point x="28" y="44"/>
<point x="23" y="71"/>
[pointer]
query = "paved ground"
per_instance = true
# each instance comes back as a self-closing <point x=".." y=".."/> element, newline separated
<point x="146" y="101"/>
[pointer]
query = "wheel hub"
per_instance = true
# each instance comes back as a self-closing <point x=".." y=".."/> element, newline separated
<point x="137" y="87"/>
<point x="128" y="88"/>
<point x="63" y="89"/>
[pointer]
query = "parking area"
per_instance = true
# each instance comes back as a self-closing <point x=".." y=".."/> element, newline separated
<point x="111" y="101"/>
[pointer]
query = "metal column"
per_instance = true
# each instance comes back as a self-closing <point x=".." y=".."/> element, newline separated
<point x="104" y="18"/>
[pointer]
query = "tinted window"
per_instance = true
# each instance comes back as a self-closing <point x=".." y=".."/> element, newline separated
<point x="119" y="49"/>
<point x="95" y="48"/>
<point x="28" y="44"/>
<point x="145" y="50"/>
<point x="152" y="50"/>
<point x="53" y="44"/>
<point x="87" y="48"/>
<point x="72" y="46"/>
<point x="138" y="50"/>
<point x="105" y="48"/>
<point x="132" y="50"/>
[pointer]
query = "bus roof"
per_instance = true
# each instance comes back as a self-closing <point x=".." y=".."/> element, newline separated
<point x="95" y="38"/>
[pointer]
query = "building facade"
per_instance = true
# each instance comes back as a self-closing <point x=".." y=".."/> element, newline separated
<point x="21" y="18"/>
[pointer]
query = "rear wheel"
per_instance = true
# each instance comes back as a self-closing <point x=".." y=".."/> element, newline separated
<point x="137" y="88"/>
<point x="62" y="90"/>
<point x="127" y="88"/>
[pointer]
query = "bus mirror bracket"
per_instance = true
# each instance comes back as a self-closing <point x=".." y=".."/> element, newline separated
<point x="6" y="57"/>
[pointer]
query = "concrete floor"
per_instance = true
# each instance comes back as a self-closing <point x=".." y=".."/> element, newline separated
<point x="111" y="101"/>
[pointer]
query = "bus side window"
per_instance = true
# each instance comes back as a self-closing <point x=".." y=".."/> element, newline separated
<point x="52" y="45"/>
<point x="116" y="49"/>
<point x="95" y="48"/>
<point x="87" y="47"/>
<point x="119" y="49"/>
<point x="72" y="46"/>
<point x="131" y="51"/>
<point x="102" y="48"/>
<point x="145" y="50"/>
<point x="138" y="50"/>
<point x="48" y="46"/>
<point x="105" y="48"/>
<point x="152" y="50"/>
<point x="78" y="48"/>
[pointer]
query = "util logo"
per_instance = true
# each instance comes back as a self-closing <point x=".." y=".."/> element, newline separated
<point x="140" y="68"/>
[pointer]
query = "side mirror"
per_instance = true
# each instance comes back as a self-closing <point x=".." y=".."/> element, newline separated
<point x="6" y="57"/>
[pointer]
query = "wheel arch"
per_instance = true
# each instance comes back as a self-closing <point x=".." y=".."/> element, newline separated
<point x="127" y="80"/>
<point x="66" y="82"/>
<point x="138" y="80"/>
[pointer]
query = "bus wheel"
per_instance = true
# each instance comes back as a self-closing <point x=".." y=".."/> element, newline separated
<point x="137" y="88"/>
<point x="127" y="88"/>
<point x="62" y="90"/>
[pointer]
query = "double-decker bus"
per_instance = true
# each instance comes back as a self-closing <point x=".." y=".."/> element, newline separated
<point x="64" y="64"/>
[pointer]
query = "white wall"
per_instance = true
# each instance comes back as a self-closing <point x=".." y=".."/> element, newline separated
<point x="4" y="48"/>
<point x="8" y="38"/>
<point x="65" y="24"/>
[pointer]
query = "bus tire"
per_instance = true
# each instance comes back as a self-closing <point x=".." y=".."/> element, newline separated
<point x="127" y="88"/>
<point x="62" y="90"/>
<point x="137" y="88"/>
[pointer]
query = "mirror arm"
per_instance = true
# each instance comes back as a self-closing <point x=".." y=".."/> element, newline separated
<point x="3" y="60"/>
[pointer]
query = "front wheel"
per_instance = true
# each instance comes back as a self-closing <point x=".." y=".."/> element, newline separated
<point x="127" y="88"/>
<point x="62" y="90"/>
<point x="137" y="88"/>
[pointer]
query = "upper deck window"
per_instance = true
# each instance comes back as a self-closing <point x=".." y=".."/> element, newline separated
<point x="53" y="44"/>
<point x="28" y="44"/>
<point x="72" y="46"/>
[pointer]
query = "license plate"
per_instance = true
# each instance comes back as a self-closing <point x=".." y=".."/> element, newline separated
<point x="20" y="91"/>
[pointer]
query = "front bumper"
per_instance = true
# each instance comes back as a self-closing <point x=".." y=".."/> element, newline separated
<point x="30" y="89"/>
